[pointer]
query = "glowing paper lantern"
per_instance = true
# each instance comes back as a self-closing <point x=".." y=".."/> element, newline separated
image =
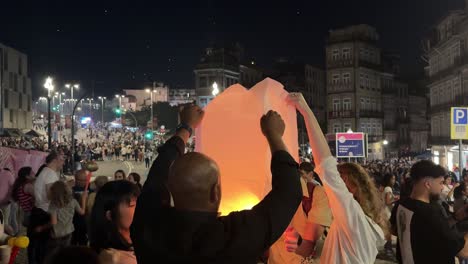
<point x="231" y="135"/>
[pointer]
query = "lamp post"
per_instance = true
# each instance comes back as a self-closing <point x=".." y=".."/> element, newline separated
<point x="151" y="95"/>
<point x="49" y="85"/>
<point x="73" y="132"/>
<point x="385" y="143"/>
<point x="72" y="87"/>
<point x="90" y="100"/>
<point x="102" y="98"/>
<point x="120" y="105"/>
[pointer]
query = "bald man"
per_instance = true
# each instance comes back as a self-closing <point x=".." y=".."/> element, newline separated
<point x="191" y="231"/>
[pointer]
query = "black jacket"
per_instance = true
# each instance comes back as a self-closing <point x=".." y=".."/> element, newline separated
<point x="162" y="234"/>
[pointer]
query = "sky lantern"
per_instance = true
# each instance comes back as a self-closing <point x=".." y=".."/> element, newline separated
<point x="230" y="134"/>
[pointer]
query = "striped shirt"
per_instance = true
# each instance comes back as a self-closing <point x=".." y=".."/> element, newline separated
<point x="25" y="200"/>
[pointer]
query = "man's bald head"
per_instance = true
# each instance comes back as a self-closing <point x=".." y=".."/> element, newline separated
<point x="194" y="183"/>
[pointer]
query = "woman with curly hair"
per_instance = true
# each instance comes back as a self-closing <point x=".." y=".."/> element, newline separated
<point x="359" y="225"/>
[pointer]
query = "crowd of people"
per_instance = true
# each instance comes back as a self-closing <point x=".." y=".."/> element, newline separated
<point x="99" y="142"/>
<point x="323" y="211"/>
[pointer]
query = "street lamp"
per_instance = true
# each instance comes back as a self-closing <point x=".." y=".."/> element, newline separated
<point x="102" y="98"/>
<point x="49" y="85"/>
<point x="215" y="89"/>
<point x="151" y="93"/>
<point x="72" y="87"/>
<point x="385" y="142"/>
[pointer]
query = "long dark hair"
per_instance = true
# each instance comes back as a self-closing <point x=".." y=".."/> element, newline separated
<point x="104" y="233"/>
<point x="22" y="179"/>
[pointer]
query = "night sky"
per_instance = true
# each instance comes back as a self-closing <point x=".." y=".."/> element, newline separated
<point x="113" y="46"/>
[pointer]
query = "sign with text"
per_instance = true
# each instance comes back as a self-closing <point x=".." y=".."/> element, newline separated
<point x="459" y="123"/>
<point x="350" y="145"/>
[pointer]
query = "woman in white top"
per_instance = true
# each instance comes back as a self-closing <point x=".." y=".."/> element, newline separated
<point x="448" y="189"/>
<point x="358" y="222"/>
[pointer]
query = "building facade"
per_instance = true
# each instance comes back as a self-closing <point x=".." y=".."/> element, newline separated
<point x="181" y="96"/>
<point x="15" y="89"/>
<point x="354" y="89"/>
<point x="218" y="65"/>
<point x="142" y="97"/>
<point x="447" y="56"/>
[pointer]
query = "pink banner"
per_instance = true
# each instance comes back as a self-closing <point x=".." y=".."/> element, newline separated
<point x="15" y="159"/>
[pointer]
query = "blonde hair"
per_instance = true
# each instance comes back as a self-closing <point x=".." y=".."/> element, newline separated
<point x="366" y="193"/>
<point x="60" y="194"/>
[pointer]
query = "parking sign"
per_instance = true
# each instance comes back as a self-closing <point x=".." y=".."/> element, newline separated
<point x="459" y="123"/>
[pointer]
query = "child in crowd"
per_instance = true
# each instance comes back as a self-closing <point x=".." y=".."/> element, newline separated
<point x="61" y="210"/>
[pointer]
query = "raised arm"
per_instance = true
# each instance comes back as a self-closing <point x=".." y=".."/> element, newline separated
<point x="190" y="118"/>
<point x="342" y="204"/>
<point x="266" y="222"/>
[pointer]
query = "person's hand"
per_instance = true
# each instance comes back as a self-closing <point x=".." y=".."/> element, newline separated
<point x="272" y="125"/>
<point x="291" y="237"/>
<point x="191" y="115"/>
<point x="298" y="101"/>
<point x="456" y="185"/>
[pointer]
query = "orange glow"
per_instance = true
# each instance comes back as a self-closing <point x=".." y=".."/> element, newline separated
<point x="231" y="135"/>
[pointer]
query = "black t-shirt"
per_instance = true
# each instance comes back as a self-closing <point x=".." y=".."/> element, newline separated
<point x="424" y="235"/>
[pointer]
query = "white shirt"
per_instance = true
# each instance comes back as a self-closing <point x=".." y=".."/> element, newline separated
<point x="353" y="237"/>
<point x="47" y="176"/>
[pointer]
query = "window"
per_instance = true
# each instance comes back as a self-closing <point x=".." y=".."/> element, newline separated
<point x="373" y="105"/>
<point x="347" y="104"/>
<point x="372" y="56"/>
<point x="346" y="78"/>
<point x="11" y="116"/>
<point x="367" y="84"/>
<point x="10" y="80"/>
<point x="25" y="84"/>
<point x="346" y="53"/>
<point x="362" y="82"/>
<point x="203" y="82"/>
<point x="346" y="127"/>
<point x="336" y="128"/>
<point x="20" y="101"/>
<point x="336" y="54"/>
<point x="336" y="105"/>
<point x="15" y="84"/>
<point x="29" y="103"/>
<point x="368" y="104"/>
<point x="363" y="127"/>
<point x="363" y="103"/>
<point x="5" y="98"/>
<point x="335" y="79"/>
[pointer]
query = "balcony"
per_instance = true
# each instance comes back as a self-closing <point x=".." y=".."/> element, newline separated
<point x="340" y="87"/>
<point x="458" y="61"/>
<point x="341" y="114"/>
<point x="370" y="114"/>
<point x="341" y="63"/>
<point x="370" y="65"/>
<point x="460" y="100"/>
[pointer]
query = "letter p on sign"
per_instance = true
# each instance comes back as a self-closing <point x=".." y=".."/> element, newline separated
<point x="460" y="116"/>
